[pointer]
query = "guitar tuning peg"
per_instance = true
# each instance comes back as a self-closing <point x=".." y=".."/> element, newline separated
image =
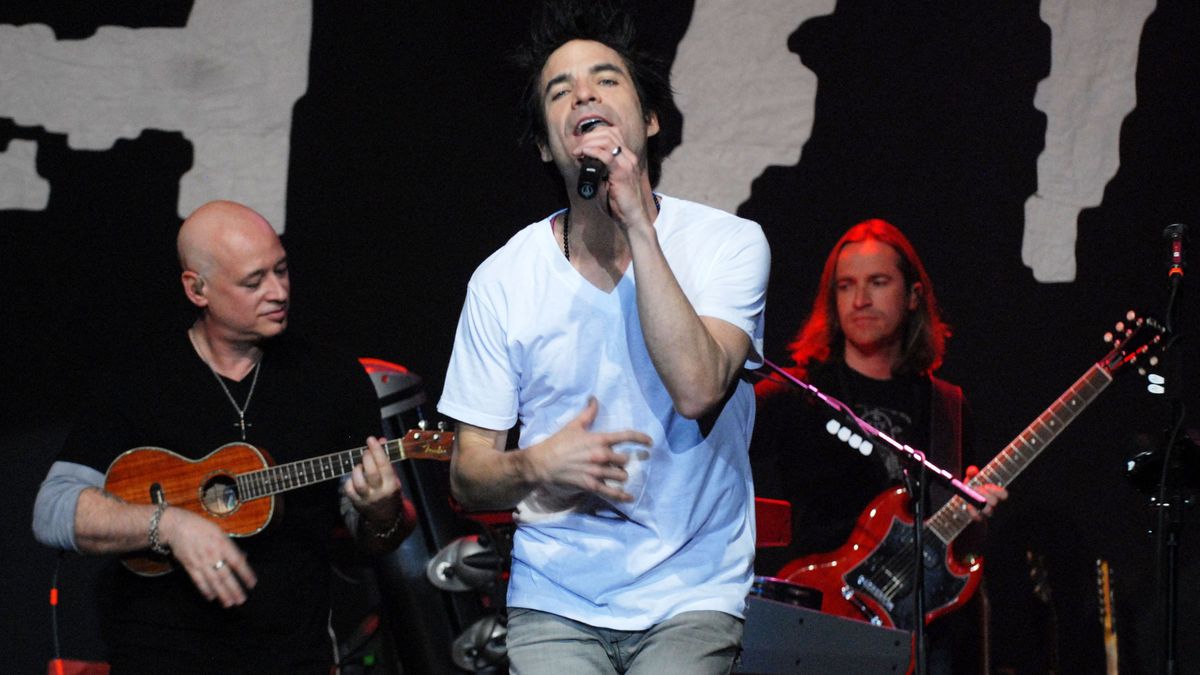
<point x="421" y="424"/>
<point x="1108" y="337"/>
<point x="1154" y="360"/>
<point x="441" y="426"/>
<point x="1120" y="326"/>
<point x="1130" y="315"/>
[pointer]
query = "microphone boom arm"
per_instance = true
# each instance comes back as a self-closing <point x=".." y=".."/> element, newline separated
<point x="851" y="421"/>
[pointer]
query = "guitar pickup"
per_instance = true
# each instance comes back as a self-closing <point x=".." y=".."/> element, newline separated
<point x="875" y="592"/>
<point x="871" y="617"/>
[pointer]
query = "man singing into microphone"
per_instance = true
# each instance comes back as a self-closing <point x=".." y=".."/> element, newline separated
<point x="615" y="333"/>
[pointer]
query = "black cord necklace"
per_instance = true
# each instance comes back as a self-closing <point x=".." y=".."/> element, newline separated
<point x="566" y="224"/>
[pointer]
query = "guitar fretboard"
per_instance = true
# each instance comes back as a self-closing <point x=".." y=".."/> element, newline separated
<point x="276" y="479"/>
<point x="950" y="520"/>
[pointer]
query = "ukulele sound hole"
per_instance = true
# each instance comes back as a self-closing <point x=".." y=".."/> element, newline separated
<point x="219" y="495"/>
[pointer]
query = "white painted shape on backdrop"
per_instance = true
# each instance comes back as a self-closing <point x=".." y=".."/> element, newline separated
<point x="1089" y="92"/>
<point x="20" y="185"/>
<point x="747" y="101"/>
<point x="228" y="81"/>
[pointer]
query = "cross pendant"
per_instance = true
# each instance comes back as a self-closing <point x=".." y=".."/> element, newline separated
<point x="243" y="424"/>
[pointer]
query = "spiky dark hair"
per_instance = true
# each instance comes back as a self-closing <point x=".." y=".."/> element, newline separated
<point x="603" y="21"/>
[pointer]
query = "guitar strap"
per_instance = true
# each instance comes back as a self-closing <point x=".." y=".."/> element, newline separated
<point x="946" y="443"/>
<point x="945" y="432"/>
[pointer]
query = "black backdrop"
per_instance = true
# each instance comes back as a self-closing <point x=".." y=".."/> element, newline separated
<point x="404" y="174"/>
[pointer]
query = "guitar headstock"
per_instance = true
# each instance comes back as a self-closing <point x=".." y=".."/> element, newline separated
<point x="1134" y="338"/>
<point x="423" y="443"/>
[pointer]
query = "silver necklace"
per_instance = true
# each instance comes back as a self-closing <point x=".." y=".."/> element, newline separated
<point x="241" y="410"/>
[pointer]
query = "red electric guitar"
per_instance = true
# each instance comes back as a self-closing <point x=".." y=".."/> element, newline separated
<point x="870" y="577"/>
<point x="235" y="485"/>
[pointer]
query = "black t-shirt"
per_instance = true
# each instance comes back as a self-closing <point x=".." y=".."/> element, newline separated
<point x="828" y="483"/>
<point x="307" y="402"/>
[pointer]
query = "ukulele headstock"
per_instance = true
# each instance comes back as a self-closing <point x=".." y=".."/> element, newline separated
<point x="424" y="443"/>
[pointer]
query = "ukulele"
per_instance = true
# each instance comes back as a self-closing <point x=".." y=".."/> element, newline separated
<point x="235" y="485"/>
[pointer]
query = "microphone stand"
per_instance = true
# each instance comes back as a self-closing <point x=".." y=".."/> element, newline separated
<point x="916" y="479"/>
<point x="918" y="468"/>
<point x="1171" y="508"/>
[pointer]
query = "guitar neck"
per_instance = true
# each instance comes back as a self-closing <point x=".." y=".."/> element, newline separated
<point x="1107" y="616"/>
<point x="283" y="477"/>
<point x="1111" y="659"/>
<point x="950" y="520"/>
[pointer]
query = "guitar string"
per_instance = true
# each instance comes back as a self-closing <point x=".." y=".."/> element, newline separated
<point x="897" y="577"/>
<point x="895" y="582"/>
<point x="269" y="477"/>
<point x="902" y="576"/>
<point x="261" y="482"/>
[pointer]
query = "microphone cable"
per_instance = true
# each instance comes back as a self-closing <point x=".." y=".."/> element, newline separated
<point x="58" y="662"/>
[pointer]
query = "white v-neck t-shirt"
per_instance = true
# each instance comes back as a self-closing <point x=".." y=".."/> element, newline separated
<point x="536" y="340"/>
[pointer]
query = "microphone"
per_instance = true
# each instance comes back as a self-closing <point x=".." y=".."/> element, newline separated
<point x="1175" y="233"/>
<point x="591" y="173"/>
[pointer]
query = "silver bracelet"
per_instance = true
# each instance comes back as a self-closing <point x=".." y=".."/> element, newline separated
<point x="155" y="544"/>
<point x="391" y="530"/>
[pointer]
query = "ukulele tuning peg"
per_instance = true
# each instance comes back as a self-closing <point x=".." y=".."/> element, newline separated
<point x="441" y="426"/>
<point x="1130" y="315"/>
<point x="421" y="424"/>
<point x="1108" y="337"/>
<point x="1120" y="326"/>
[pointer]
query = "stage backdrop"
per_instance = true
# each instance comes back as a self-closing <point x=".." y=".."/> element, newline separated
<point x="1034" y="152"/>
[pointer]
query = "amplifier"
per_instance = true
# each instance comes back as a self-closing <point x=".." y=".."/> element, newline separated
<point x="781" y="638"/>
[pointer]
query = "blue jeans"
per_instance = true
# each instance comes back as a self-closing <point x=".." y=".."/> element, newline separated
<point x="700" y="643"/>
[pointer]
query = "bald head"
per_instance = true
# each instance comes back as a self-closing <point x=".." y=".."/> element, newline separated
<point x="234" y="270"/>
<point x="216" y="231"/>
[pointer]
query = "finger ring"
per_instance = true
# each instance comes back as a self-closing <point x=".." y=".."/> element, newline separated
<point x="218" y="565"/>
<point x="616" y="151"/>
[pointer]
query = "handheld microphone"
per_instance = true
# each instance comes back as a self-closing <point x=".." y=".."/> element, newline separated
<point x="591" y="173"/>
<point x="591" y="170"/>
